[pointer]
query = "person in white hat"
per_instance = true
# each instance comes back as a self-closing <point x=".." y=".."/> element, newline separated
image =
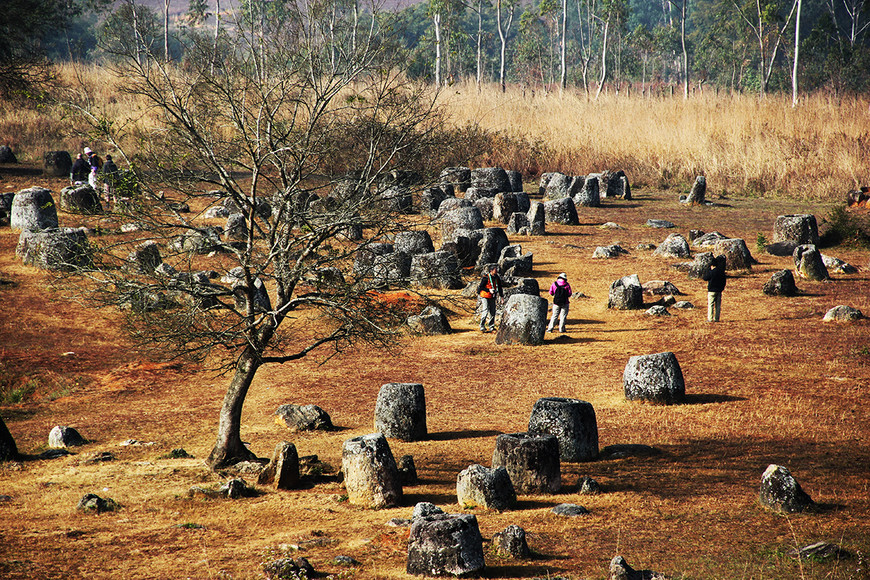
<point x="561" y="293"/>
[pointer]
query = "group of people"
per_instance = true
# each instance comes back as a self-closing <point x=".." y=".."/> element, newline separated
<point x="90" y="167"/>
<point x="490" y="290"/>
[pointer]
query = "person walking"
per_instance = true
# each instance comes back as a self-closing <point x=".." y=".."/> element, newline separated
<point x="489" y="289"/>
<point x="716" y="279"/>
<point x="561" y="293"/>
<point x="79" y="171"/>
<point x="107" y="175"/>
<point x="96" y="164"/>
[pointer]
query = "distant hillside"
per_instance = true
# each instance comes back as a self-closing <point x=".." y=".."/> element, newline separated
<point x="178" y="8"/>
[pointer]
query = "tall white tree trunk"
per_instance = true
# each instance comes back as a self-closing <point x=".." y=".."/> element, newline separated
<point x="502" y="35"/>
<point x="563" y="71"/>
<point x="436" y="20"/>
<point x="166" y="30"/>
<point x="603" y="59"/>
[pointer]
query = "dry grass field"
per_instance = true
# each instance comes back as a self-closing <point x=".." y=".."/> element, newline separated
<point x="771" y="383"/>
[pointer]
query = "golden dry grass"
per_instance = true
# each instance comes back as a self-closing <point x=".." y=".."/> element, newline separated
<point x="769" y="384"/>
<point x="818" y="150"/>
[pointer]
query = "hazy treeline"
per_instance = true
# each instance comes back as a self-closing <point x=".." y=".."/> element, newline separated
<point x="652" y="46"/>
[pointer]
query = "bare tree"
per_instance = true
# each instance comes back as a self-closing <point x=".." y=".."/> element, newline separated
<point x="797" y="43"/>
<point x="504" y="29"/>
<point x="296" y="133"/>
<point x="766" y="32"/>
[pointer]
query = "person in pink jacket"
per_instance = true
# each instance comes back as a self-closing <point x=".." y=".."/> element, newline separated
<point x="561" y="293"/>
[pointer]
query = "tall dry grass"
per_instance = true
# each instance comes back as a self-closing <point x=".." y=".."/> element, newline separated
<point x="742" y="144"/>
<point x="818" y="150"/>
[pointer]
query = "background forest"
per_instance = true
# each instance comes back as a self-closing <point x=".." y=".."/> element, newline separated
<point x="618" y="46"/>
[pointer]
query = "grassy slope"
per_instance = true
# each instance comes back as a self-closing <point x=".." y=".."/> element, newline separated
<point x="770" y="384"/>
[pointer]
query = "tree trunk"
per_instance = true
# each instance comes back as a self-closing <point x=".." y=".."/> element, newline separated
<point x="603" y="59"/>
<point x="797" y="42"/>
<point x="501" y="36"/>
<point x="436" y="20"/>
<point x="229" y="448"/>
<point x="685" y="52"/>
<point x="563" y="71"/>
<point x="479" y="42"/>
<point x="166" y="30"/>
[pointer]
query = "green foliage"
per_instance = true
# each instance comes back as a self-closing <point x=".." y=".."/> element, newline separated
<point x="842" y="226"/>
<point x="760" y="243"/>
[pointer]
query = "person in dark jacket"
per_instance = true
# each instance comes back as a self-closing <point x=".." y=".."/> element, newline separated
<point x="561" y="293"/>
<point x="715" y="277"/>
<point x="489" y="289"/>
<point x="80" y="169"/>
<point x="107" y="175"/>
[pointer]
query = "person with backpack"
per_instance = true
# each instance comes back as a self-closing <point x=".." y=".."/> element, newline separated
<point x="716" y="279"/>
<point x="561" y="293"/>
<point x="79" y="171"/>
<point x="107" y="175"/>
<point x="95" y="164"/>
<point x="489" y="288"/>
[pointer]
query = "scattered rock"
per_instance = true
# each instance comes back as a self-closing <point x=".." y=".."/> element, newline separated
<point x="780" y="284"/>
<point x="303" y="418"/>
<point x="62" y="436"/>
<point x="684" y="304"/>
<point x="820" y="551"/>
<point x="588" y="486"/>
<point x="781" y="492"/>
<point x="400" y="411"/>
<point x="63" y="250"/>
<point x="283" y="469"/>
<point x="371" y="475"/>
<point x="698" y="192"/>
<point x="445" y="545"/>
<point x="660" y="288"/>
<point x="283" y="568"/>
<point x="655" y="223"/>
<point x="837" y="265"/>
<point x="432" y="321"/>
<point x="561" y="211"/>
<point x="843" y="313"/>
<point x="480" y="486"/>
<point x="345" y="561"/>
<point x="658" y="310"/>
<point x="33" y="209"/>
<point x="656" y="378"/>
<point x="609" y="252"/>
<point x="98" y="457"/>
<point x="531" y="460"/>
<point x="626" y="293"/>
<point x="511" y="542"/>
<point x="620" y="570"/>
<point x="570" y="510"/>
<point x="798" y="228"/>
<point x="808" y="263"/>
<point x="425" y="509"/>
<point x="407" y="470"/>
<point x="93" y="503"/>
<point x="782" y="249"/>
<point x="573" y="423"/>
<point x="523" y="321"/>
<point x="674" y="246"/>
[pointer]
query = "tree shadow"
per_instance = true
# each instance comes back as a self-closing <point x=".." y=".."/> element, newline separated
<point x="707" y="398"/>
<point x="412" y="499"/>
<point x="518" y="571"/>
<point x="466" y="434"/>
<point x="20" y="170"/>
<point x="565" y="339"/>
